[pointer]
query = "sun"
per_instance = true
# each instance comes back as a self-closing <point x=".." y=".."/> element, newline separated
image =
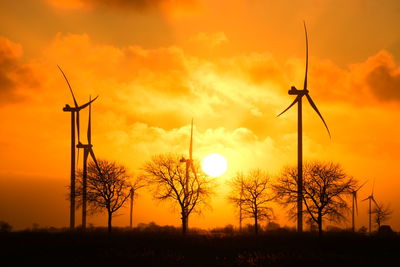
<point x="214" y="165"/>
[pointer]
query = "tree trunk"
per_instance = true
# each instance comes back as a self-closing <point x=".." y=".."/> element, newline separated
<point x="256" y="223"/>
<point x="240" y="217"/>
<point x="319" y="224"/>
<point x="109" y="221"/>
<point x="184" y="223"/>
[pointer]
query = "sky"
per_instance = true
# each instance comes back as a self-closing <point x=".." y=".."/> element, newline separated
<point x="156" y="64"/>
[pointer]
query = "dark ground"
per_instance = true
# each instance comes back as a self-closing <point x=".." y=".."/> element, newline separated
<point x="171" y="249"/>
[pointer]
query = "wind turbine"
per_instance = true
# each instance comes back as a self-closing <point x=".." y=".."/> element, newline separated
<point x="87" y="150"/>
<point x="189" y="164"/>
<point x="354" y="200"/>
<point x="73" y="110"/>
<point x="299" y="95"/>
<point x="370" y="198"/>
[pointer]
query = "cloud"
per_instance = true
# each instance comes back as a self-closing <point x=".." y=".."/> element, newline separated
<point x="68" y="4"/>
<point x="209" y="40"/>
<point x="135" y="4"/>
<point x="383" y="78"/>
<point x="138" y="5"/>
<point x="373" y="81"/>
<point x="14" y="75"/>
<point x="166" y="86"/>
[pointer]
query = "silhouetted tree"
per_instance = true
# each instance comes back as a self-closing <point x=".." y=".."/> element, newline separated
<point x="5" y="227"/>
<point x="381" y="213"/>
<point x="251" y="194"/>
<point x="106" y="191"/>
<point x="166" y="175"/>
<point x="323" y="188"/>
<point x="272" y="226"/>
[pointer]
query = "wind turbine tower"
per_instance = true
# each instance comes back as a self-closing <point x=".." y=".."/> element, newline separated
<point x="189" y="164"/>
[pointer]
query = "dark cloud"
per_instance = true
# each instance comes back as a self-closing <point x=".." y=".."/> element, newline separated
<point x="127" y="3"/>
<point x="13" y="74"/>
<point x="133" y="4"/>
<point x="384" y="82"/>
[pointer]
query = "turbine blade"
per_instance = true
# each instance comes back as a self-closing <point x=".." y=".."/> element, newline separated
<point x="89" y="131"/>
<point x="373" y="199"/>
<point x="95" y="160"/>
<point x="366" y="199"/>
<point x="88" y="103"/>
<point x="319" y="114"/>
<point x="361" y="185"/>
<point x="191" y="142"/>
<point x="70" y="88"/>
<point x="373" y="185"/>
<point x="305" y="78"/>
<point x="355" y="201"/>
<point x="294" y="102"/>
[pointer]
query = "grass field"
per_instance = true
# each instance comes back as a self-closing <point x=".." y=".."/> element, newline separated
<point x="133" y="248"/>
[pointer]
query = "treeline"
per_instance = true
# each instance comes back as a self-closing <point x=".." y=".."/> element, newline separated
<point x="327" y="191"/>
<point x="327" y="194"/>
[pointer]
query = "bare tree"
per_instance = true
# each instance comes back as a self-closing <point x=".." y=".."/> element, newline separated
<point x="251" y="194"/>
<point x="381" y="213"/>
<point x="325" y="185"/>
<point x="107" y="190"/>
<point x="167" y="177"/>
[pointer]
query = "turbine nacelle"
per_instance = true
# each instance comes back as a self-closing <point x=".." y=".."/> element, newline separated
<point x="185" y="160"/>
<point x="68" y="108"/>
<point x="84" y="146"/>
<point x="294" y="91"/>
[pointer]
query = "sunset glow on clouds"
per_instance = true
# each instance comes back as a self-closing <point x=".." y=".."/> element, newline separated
<point x="149" y="90"/>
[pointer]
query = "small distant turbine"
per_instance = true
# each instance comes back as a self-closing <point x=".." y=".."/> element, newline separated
<point x="355" y="206"/>
<point x="73" y="110"/>
<point x="370" y="198"/>
<point x="299" y="95"/>
<point x="87" y="150"/>
<point x="189" y="164"/>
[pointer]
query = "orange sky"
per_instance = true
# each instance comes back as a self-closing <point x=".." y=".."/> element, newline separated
<point x="228" y="64"/>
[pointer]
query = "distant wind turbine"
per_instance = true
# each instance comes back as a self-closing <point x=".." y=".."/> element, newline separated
<point x="87" y="150"/>
<point x="189" y="164"/>
<point x="354" y="200"/>
<point x="73" y="110"/>
<point x="370" y="198"/>
<point x="299" y="95"/>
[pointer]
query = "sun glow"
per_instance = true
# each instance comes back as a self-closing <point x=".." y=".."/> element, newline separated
<point x="214" y="165"/>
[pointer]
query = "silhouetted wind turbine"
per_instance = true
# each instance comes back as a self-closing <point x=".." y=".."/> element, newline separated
<point x="87" y="150"/>
<point x="354" y="200"/>
<point x="189" y="164"/>
<point x="299" y="95"/>
<point x="370" y="198"/>
<point x="73" y="110"/>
